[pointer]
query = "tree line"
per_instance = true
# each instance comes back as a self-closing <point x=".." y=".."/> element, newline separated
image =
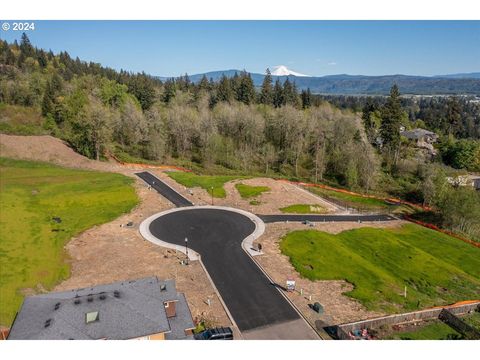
<point x="228" y="123"/>
<point x="232" y="126"/>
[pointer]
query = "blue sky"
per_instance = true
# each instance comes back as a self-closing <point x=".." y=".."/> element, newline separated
<point x="170" y="48"/>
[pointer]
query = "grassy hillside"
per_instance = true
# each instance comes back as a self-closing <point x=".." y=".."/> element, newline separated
<point x="32" y="194"/>
<point x="435" y="268"/>
<point x="21" y="120"/>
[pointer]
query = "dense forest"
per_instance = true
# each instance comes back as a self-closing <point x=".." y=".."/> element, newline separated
<point x="229" y="125"/>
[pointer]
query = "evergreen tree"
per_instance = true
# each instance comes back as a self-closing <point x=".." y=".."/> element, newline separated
<point x="142" y="88"/>
<point x="390" y="128"/>
<point x="266" y="94"/>
<point x="170" y="90"/>
<point x="306" y="98"/>
<point x="296" y="101"/>
<point x="235" y="86"/>
<point x="246" y="90"/>
<point x="49" y="102"/>
<point x="289" y="95"/>
<point x="26" y="47"/>
<point x="204" y="85"/>
<point x="367" y="117"/>
<point x="224" y="90"/>
<point x="277" y="94"/>
<point x="42" y="59"/>
<point x="454" y="117"/>
<point x="183" y="83"/>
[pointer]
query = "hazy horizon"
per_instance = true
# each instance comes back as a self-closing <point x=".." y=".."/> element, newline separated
<point x="315" y="48"/>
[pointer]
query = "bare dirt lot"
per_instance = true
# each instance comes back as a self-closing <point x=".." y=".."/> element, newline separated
<point x="49" y="149"/>
<point x="338" y="308"/>
<point x="281" y="194"/>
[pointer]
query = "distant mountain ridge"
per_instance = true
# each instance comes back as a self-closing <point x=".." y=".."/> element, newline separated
<point x="344" y="84"/>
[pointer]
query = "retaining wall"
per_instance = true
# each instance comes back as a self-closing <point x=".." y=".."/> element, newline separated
<point x="428" y="314"/>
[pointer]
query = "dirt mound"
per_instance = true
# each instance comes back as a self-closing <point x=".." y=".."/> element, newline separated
<point x="50" y="149"/>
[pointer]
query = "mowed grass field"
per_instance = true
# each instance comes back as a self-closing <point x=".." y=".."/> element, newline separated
<point x="211" y="183"/>
<point x="435" y="331"/>
<point x="436" y="269"/>
<point x="31" y="242"/>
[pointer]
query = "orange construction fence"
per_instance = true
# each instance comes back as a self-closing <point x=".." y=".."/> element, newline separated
<point x="458" y="303"/>
<point x="394" y="200"/>
<point x="390" y="199"/>
<point x="447" y="232"/>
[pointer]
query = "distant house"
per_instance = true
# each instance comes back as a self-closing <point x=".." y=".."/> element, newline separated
<point x="419" y="134"/>
<point x="422" y="138"/>
<point x="146" y="309"/>
<point x="465" y="180"/>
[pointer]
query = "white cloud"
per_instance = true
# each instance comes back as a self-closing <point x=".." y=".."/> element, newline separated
<point x="332" y="63"/>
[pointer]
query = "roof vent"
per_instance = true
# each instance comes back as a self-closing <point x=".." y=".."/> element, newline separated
<point x="57" y="306"/>
<point x="163" y="287"/>
<point x="102" y="297"/>
<point x="116" y="293"/>
<point x="77" y="301"/>
<point x="47" y="323"/>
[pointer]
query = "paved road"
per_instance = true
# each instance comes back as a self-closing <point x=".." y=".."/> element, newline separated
<point x="217" y="235"/>
<point x="164" y="190"/>
<point x="322" y="218"/>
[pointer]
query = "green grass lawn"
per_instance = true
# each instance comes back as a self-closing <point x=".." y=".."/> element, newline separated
<point x="247" y="191"/>
<point x="206" y="182"/>
<point x="434" y="331"/>
<point x="303" y="209"/>
<point x="31" y="242"/>
<point x="436" y="268"/>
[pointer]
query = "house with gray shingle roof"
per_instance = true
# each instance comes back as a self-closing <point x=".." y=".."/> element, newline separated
<point x="146" y="308"/>
<point x="422" y="138"/>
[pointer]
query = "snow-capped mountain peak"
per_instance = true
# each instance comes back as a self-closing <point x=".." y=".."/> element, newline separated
<point x="282" y="70"/>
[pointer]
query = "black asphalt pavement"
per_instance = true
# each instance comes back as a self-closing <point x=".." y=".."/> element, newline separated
<point x="164" y="190"/>
<point x="324" y="218"/>
<point x="217" y="236"/>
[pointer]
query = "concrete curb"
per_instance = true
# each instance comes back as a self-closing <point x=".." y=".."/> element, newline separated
<point x="292" y="304"/>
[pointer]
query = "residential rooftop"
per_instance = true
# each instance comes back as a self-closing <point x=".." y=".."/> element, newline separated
<point x="122" y="310"/>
